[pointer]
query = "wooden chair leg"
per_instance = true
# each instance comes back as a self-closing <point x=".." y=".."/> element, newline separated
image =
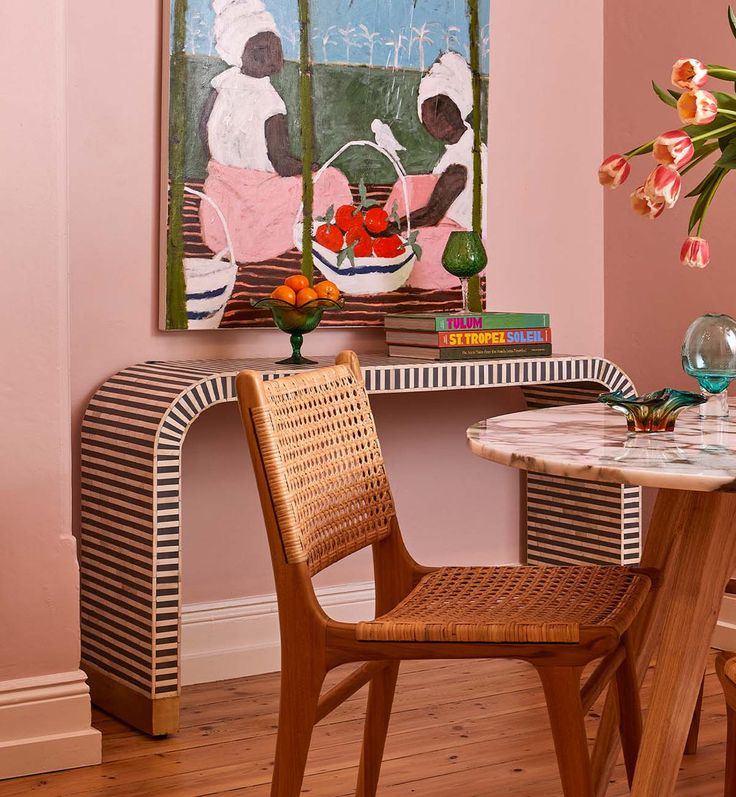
<point x="691" y="746"/>
<point x="629" y="711"/>
<point x="380" y="699"/>
<point x="562" y="691"/>
<point x="730" y="790"/>
<point x="300" y="691"/>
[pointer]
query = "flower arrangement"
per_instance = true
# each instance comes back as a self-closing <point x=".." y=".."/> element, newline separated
<point x="708" y="128"/>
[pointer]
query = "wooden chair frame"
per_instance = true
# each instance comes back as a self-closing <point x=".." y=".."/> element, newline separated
<point x="312" y="644"/>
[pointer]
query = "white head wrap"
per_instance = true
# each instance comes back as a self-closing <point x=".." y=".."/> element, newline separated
<point x="237" y="22"/>
<point x="449" y="75"/>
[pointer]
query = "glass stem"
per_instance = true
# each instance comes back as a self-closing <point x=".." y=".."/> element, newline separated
<point x="296" y="346"/>
<point x="716" y="406"/>
<point x="465" y="289"/>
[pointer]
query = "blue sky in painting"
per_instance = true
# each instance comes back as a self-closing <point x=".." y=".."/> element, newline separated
<point x="403" y="33"/>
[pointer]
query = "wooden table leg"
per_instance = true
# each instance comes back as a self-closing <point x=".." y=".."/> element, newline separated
<point x="692" y="540"/>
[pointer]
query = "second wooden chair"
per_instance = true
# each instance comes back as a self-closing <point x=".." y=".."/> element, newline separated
<point x="325" y="495"/>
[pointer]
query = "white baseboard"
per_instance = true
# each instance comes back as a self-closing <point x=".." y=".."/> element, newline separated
<point x="45" y="725"/>
<point x="724" y="637"/>
<point x="240" y="637"/>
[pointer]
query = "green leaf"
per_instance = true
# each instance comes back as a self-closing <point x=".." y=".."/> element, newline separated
<point x="732" y="20"/>
<point x="706" y="197"/>
<point x="665" y="96"/>
<point x="721" y="72"/>
<point x="728" y="158"/>
<point x="704" y="183"/>
<point x="394" y="217"/>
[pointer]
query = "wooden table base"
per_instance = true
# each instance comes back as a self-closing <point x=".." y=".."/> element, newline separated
<point x="692" y="542"/>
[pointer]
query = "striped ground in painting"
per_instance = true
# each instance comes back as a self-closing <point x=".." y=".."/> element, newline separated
<point x="256" y="280"/>
<point x="132" y="437"/>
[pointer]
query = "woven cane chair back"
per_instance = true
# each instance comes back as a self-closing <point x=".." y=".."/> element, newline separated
<point x="324" y="466"/>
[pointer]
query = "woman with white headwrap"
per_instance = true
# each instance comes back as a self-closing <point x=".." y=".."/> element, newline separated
<point x="442" y="201"/>
<point x="252" y="174"/>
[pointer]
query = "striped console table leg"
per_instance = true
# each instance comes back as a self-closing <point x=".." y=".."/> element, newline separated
<point x="574" y="521"/>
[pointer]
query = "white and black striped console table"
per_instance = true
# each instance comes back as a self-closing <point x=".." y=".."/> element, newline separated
<point x="132" y="437"/>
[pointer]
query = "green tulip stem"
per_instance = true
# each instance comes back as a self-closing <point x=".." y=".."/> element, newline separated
<point x="715" y="133"/>
<point x="307" y="125"/>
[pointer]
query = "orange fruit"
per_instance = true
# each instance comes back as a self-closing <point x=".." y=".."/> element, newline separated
<point x="363" y="241"/>
<point x="348" y="216"/>
<point x="327" y="290"/>
<point x="297" y="282"/>
<point x="306" y="295"/>
<point x="285" y="293"/>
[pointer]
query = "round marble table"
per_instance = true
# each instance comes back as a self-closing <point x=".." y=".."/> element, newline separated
<point x="691" y="542"/>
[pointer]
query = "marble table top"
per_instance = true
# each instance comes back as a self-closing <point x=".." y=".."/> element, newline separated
<point x="590" y="441"/>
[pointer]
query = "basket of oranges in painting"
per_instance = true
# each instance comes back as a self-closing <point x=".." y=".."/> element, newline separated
<point x="297" y="309"/>
<point x="363" y="248"/>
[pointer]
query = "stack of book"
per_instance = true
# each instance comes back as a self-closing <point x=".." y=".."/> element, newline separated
<point x="476" y="336"/>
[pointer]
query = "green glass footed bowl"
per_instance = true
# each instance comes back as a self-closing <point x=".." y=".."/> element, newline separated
<point x="652" y="412"/>
<point x="296" y="321"/>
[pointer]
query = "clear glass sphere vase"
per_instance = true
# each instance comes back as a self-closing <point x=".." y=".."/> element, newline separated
<point x="709" y="355"/>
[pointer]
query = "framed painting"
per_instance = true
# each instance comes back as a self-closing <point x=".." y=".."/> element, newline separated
<point x="386" y="100"/>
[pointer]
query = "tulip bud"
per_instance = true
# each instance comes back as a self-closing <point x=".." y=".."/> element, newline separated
<point x="613" y="171"/>
<point x="674" y="149"/>
<point x="690" y="74"/>
<point x="664" y="184"/>
<point x="644" y="205"/>
<point x="695" y="253"/>
<point x="697" y="107"/>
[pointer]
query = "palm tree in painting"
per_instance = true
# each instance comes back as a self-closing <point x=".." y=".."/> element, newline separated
<point x="370" y="37"/>
<point x="291" y="35"/>
<point x="422" y="38"/>
<point x="348" y="39"/>
<point x="326" y="39"/>
<point x="307" y="128"/>
<point x="397" y="44"/>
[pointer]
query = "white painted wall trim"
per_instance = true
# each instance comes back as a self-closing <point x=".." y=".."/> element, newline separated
<point x="724" y="637"/>
<point x="45" y="725"/>
<point x="240" y="637"/>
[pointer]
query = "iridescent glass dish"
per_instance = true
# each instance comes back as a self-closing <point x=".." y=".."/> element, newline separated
<point x="652" y="412"/>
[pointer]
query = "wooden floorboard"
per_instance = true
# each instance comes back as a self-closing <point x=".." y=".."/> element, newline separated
<point x="466" y="729"/>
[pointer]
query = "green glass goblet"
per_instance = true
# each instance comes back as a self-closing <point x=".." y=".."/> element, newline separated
<point x="296" y="321"/>
<point x="464" y="257"/>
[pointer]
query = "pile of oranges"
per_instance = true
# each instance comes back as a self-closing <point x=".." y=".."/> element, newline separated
<point x="297" y="291"/>
<point x="361" y="227"/>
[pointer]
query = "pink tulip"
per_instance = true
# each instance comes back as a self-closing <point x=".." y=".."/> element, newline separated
<point x="690" y="74"/>
<point x="695" y="253"/>
<point x="645" y="205"/>
<point x="663" y="184"/>
<point x="697" y="107"/>
<point x="613" y="171"/>
<point x="674" y="149"/>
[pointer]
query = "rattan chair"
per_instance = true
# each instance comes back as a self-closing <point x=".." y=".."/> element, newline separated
<point x="726" y="669"/>
<point x="325" y="495"/>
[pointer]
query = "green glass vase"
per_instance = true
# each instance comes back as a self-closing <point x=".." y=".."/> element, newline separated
<point x="464" y="257"/>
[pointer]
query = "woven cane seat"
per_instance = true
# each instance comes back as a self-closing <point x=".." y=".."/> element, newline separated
<point x="512" y="605"/>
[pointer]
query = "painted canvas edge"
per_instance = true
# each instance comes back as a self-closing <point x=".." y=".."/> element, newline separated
<point x="164" y="162"/>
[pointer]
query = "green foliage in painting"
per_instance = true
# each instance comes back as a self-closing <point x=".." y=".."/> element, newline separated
<point x="375" y="92"/>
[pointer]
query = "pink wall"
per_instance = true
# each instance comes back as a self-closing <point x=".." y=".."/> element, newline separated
<point x="650" y="297"/>
<point x="536" y="179"/>
<point x="39" y="582"/>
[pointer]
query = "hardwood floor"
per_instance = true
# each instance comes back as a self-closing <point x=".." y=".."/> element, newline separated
<point x="467" y="729"/>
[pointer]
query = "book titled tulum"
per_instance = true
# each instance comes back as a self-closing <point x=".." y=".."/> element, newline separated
<point x="481" y="336"/>
<point x="459" y="322"/>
